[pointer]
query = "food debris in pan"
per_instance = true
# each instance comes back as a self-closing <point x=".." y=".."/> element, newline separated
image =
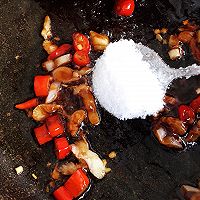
<point x="64" y="102"/>
<point x="180" y="129"/>
<point x="178" y="124"/>
<point x="187" y="35"/>
<point x="112" y="154"/>
<point x="19" y="170"/>
<point x="34" y="176"/>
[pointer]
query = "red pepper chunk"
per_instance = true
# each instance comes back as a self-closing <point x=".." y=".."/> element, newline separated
<point x="63" y="49"/>
<point x="27" y="104"/>
<point x="54" y="125"/>
<point x="81" y="42"/>
<point x="124" y="7"/>
<point x="62" y="194"/>
<point x="195" y="104"/>
<point x="41" y="85"/>
<point x="186" y="114"/>
<point x="62" y="148"/>
<point x="42" y="134"/>
<point x="81" y="58"/>
<point x="77" y="183"/>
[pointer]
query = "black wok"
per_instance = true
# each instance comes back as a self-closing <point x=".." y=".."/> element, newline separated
<point x="143" y="169"/>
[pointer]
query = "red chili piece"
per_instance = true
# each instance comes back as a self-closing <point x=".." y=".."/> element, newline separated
<point x="186" y="114"/>
<point x="42" y="134"/>
<point x="81" y="42"/>
<point x="62" y="148"/>
<point x="63" y="49"/>
<point x="81" y="58"/>
<point x="77" y="183"/>
<point x="41" y="85"/>
<point x="62" y="194"/>
<point x="124" y="7"/>
<point x="195" y="104"/>
<point x="54" y="125"/>
<point x="27" y="104"/>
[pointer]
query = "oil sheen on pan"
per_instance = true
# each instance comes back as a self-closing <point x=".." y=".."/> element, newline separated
<point x="143" y="169"/>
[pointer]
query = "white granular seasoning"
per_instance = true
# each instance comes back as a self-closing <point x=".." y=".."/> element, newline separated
<point x="130" y="79"/>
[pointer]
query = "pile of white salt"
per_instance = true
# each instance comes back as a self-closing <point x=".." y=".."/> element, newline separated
<point x="130" y="79"/>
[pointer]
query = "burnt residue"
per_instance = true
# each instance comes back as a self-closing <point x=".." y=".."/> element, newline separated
<point x="143" y="169"/>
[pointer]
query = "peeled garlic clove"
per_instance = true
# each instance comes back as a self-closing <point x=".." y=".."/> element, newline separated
<point x="49" y="46"/>
<point x="42" y="111"/>
<point x="53" y="92"/>
<point x="99" y="41"/>
<point x="63" y="60"/>
<point x="95" y="164"/>
<point x="46" y="31"/>
<point x="48" y="65"/>
<point x="175" y="54"/>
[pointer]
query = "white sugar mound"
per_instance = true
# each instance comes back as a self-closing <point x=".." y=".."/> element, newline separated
<point x="124" y="84"/>
<point x="130" y="79"/>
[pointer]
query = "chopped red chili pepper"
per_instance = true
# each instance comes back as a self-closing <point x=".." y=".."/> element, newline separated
<point x="55" y="125"/>
<point x="62" y="194"/>
<point x="41" y="85"/>
<point x="77" y="183"/>
<point x="63" y="49"/>
<point x="124" y="7"/>
<point x="42" y="134"/>
<point x="27" y="104"/>
<point x="81" y="58"/>
<point x="62" y="147"/>
<point x="186" y="114"/>
<point x="195" y="104"/>
<point x="81" y="42"/>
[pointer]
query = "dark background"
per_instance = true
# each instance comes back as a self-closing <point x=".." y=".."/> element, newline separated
<point x="143" y="170"/>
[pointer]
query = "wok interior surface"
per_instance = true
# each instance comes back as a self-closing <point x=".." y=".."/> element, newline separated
<point x="143" y="169"/>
